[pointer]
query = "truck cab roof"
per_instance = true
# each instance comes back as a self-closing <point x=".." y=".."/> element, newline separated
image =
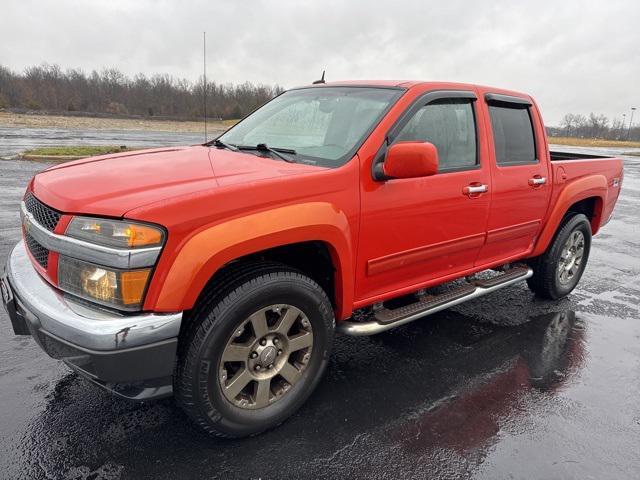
<point x="408" y="84"/>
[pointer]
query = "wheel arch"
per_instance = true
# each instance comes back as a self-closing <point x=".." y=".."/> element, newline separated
<point x="586" y="195"/>
<point x="284" y="234"/>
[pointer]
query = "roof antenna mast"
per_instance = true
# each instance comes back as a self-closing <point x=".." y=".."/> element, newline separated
<point x="321" y="79"/>
<point x="204" y="77"/>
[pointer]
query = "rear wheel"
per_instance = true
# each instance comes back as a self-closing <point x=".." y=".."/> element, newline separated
<point x="558" y="270"/>
<point x="253" y="356"/>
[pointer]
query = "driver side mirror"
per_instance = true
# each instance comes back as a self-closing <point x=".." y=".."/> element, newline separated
<point x="410" y="160"/>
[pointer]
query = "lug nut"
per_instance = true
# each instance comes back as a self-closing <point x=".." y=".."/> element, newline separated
<point x="276" y="341"/>
<point x="258" y="367"/>
<point x="279" y="352"/>
<point x="254" y="354"/>
<point x="270" y="366"/>
<point x="263" y="342"/>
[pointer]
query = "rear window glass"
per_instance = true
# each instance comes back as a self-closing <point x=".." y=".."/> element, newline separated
<point x="512" y="135"/>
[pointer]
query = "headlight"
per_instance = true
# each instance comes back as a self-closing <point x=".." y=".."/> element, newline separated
<point x="114" y="233"/>
<point x="123" y="289"/>
<point x="101" y="277"/>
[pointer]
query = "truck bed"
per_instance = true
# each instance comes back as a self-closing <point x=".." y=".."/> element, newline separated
<point x="558" y="156"/>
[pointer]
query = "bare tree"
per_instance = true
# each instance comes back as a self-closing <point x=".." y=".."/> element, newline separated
<point x="598" y="125"/>
<point x="594" y="126"/>
<point x="568" y="124"/>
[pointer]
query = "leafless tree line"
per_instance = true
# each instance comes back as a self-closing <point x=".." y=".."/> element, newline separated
<point x="597" y="126"/>
<point x="49" y="88"/>
<point x="52" y="89"/>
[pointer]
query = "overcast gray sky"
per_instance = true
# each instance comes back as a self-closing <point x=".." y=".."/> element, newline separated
<point x="573" y="56"/>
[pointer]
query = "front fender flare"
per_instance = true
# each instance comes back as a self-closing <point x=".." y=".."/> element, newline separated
<point x="208" y="249"/>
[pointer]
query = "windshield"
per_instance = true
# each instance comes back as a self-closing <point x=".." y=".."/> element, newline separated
<point x="323" y="125"/>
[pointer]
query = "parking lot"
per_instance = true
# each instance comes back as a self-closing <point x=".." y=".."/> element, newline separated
<point x="506" y="386"/>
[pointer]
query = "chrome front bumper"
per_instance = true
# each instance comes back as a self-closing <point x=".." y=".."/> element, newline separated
<point x="105" y="346"/>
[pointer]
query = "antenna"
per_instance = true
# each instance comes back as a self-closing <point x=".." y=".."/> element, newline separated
<point x="204" y="77"/>
<point x="321" y="79"/>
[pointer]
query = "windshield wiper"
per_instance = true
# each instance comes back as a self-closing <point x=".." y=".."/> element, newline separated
<point x="220" y="144"/>
<point x="263" y="147"/>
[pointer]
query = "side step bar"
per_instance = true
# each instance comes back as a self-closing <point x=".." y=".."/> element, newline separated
<point x="386" y="319"/>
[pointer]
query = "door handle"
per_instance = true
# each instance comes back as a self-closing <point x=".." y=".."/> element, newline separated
<point x="537" y="180"/>
<point x="474" y="189"/>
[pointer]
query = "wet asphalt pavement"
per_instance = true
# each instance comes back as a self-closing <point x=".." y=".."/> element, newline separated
<point x="16" y="140"/>
<point x="506" y="386"/>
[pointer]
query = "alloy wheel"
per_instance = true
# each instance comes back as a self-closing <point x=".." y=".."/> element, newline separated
<point x="571" y="257"/>
<point x="265" y="356"/>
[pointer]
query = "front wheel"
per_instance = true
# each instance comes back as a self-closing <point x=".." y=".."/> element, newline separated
<point x="558" y="270"/>
<point x="252" y="357"/>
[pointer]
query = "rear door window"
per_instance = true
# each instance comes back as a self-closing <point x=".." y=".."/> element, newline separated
<point x="513" y="135"/>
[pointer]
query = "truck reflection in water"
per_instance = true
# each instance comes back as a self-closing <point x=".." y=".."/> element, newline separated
<point x="544" y="357"/>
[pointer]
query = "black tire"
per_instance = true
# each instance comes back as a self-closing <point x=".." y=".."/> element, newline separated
<point x="240" y="294"/>
<point x="545" y="281"/>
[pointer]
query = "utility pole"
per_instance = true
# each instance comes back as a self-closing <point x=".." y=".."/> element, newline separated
<point x="204" y="78"/>
<point x="633" y="109"/>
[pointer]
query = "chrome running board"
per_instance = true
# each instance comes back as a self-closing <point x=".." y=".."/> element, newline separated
<point x="386" y="319"/>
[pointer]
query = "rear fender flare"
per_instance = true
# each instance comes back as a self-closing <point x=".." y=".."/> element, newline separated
<point x="579" y="189"/>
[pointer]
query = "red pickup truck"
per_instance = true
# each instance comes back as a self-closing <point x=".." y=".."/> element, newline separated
<point x="220" y="272"/>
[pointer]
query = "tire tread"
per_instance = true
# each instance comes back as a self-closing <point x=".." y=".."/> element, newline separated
<point x="542" y="282"/>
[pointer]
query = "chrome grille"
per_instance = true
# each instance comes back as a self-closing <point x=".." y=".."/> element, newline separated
<point x="45" y="216"/>
<point x="40" y="253"/>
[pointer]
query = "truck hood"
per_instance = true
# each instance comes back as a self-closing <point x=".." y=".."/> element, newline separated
<point x="111" y="185"/>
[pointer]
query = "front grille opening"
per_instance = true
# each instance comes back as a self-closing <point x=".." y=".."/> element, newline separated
<point x="40" y="253"/>
<point x="45" y="216"/>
